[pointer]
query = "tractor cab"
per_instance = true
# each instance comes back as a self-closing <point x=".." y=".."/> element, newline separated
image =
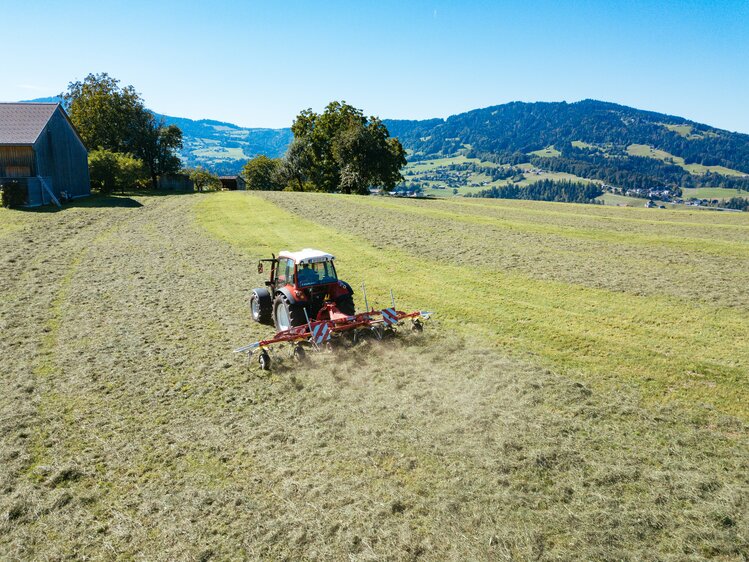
<point x="303" y="269"/>
<point x="299" y="282"/>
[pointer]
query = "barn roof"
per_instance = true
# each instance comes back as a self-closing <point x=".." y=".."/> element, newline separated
<point x="22" y="123"/>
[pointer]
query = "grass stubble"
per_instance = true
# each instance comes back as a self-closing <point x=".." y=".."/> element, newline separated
<point x="127" y="429"/>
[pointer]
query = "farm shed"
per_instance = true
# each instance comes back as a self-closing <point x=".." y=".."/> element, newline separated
<point x="40" y="148"/>
<point x="232" y="183"/>
<point x="176" y="182"/>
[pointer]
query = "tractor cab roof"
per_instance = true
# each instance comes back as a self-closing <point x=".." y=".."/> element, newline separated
<point x="308" y="255"/>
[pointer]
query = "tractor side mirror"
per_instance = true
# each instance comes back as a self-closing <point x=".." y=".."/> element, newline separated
<point x="259" y="267"/>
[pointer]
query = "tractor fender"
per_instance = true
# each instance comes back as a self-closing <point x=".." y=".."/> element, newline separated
<point x="288" y="294"/>
<point x="263" y="295"/>
<point x="346" y="286"/>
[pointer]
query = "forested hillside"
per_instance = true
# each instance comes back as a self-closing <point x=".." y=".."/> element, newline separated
<point x="225" y="147"/>
<point x="591" y="139"/>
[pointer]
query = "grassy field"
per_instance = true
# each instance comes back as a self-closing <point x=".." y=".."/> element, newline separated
<point x="713" y="193"/>
<point x="622" y="200"/>
<point x="476" y="181"/>
<point x="581" y="394"/>
<point x="650" y="152"/>
<point x="548" y="152"/>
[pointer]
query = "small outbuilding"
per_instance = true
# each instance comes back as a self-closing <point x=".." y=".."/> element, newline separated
<point x="233" y="183"/>
<point x="176" y="182"/>
<point x="40" y="149"/>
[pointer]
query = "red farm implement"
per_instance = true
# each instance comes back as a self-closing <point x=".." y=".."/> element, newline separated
<point x="310" y="307"/>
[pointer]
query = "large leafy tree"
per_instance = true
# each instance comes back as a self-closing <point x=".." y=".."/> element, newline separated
<point x="342" y="150"/>
<point x="204" y="180"/>
<point x="296" y="165"/>
<point x="112" y="171"/>
<point x="105" y="115"/>
<point x="262" y="173"/>
<point x="114" y="118"/>
<point x="156" y="144"/>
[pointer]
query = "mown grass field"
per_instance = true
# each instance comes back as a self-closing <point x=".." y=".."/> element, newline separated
<point x="581" y="394"/>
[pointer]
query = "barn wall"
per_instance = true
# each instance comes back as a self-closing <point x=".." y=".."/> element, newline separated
<point x="16" y="161"/>
<point x="61" y="155"/>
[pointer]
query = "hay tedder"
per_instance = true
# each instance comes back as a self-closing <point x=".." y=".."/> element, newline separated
<point x="310" y="307"/>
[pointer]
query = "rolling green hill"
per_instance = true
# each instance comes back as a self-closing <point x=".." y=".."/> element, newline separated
<point x="590" y="140"/>
<point x="614" y="144"/>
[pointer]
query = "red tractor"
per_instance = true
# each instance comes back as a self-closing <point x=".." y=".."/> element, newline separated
<point x="303" y="287"/>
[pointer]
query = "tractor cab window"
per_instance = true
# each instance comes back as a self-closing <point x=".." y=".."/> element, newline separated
<point x="284" y="272"/>
<point x="316" y="273"/>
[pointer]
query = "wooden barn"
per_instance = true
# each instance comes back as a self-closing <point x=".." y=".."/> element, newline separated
<point x="233" y="183"/>
<point x="40" y="148"/>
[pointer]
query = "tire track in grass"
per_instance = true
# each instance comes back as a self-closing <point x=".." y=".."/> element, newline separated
<point x="686" y="353"/>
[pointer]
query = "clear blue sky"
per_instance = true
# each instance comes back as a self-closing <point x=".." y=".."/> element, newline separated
<point x="259" y="63"/>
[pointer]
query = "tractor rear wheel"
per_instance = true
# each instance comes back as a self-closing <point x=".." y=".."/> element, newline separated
<point x="346" y="305"/>
<point x="287" y="315"/>
<point x="261" y="306"/>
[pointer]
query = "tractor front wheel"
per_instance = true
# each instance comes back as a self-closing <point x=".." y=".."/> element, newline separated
<point x="287" y="315"/>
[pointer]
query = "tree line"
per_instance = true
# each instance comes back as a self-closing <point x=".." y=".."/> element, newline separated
<point x="545" y="190"/>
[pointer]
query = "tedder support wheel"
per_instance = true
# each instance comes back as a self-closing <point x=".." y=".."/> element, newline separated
<point x="261" y="306"/>
<point x="287" y="315"/>
<point x="416" y="325"/>
<point x="299" y="354"/>
<point x="264" y="361"/>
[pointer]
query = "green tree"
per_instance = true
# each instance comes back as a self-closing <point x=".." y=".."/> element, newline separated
<point x="346" y="151"/>
<point x="156" y="144"/>
<point x="115" y="119"/>
<point x="114" y="171"/>
<point x="262" y="173"/>
<point x="296" y="164"/>
<point x="204" y="180"/>
<point x="105" y="115"/>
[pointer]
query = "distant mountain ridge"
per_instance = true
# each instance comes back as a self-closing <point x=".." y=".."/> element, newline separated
<point x="528" y="127"/>
<point x="591" y="139"/>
